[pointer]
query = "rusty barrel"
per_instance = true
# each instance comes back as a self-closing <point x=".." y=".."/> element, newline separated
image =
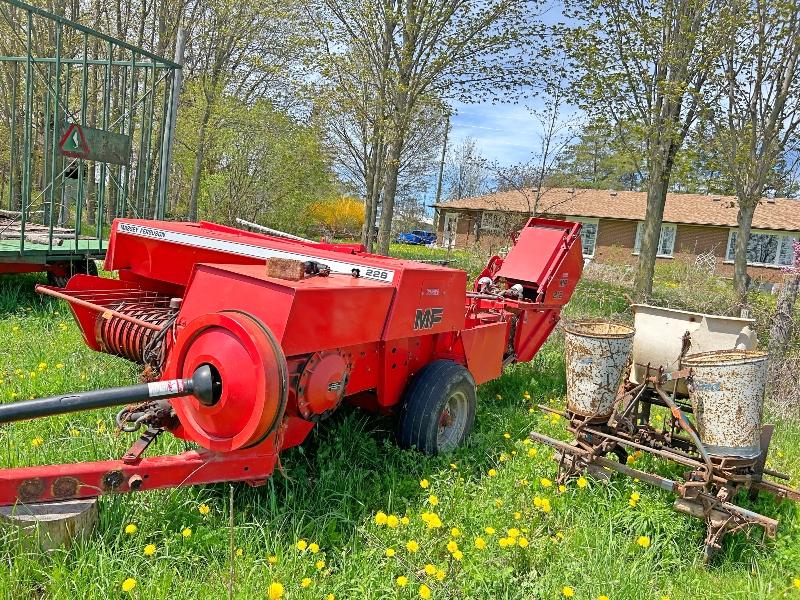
<point x="597" y="353"/>
<point x="727" y="394"/>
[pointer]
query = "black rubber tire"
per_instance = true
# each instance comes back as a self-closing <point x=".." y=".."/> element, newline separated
<point x="425" y="401"/>
<point x="75" y="267"/>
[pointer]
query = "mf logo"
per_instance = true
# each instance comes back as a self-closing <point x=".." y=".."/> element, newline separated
<point x="427" y="317"/>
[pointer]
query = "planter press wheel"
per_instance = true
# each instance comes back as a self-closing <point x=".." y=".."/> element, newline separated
<point x="248" y="361"/>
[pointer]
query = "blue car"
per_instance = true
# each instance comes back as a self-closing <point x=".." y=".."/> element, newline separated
<point x="417" y="237"/>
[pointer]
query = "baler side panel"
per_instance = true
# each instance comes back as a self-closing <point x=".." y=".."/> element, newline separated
<point x="427" y="301"/>
<point x="483" y="350"/>
<point x="533" y="331"/>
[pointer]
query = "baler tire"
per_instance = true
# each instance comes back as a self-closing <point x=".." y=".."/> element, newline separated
<point x="425" y="401"/>
<point x="76" y="267"/>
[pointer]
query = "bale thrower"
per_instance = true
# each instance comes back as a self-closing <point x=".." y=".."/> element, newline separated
<point x="246" y="341"/>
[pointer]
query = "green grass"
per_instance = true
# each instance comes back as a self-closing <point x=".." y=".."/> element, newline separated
<point x="332" y="486"/>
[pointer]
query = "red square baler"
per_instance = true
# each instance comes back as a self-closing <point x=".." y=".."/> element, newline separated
<point x="246" y="341"/>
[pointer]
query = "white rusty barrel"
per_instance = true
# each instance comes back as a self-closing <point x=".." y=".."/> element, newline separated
<point x="727" y="394"/>
<point x="597" y="353"/>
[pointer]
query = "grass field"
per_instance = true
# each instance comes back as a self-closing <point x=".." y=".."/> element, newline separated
<point x="349" y="471"/>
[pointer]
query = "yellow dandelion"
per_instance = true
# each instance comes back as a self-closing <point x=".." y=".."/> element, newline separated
<point x="532" y="452"/>
<point x="458" y="555"/>
<point x="402" y="581"/>
<point x="313" y="547"/>
<point x="239" y="552"/>
<point x="455" y="532"/>
<point x="440" y="574"/>
<point x="567" y="591"/>
<point x="275" y="591"/>
<point x="489" y="530"/>
<point x="498" y="396"/>
<point x="390" y="552"/>
<point x="320" y="564"/>
<point x="507" y="435"/>
<point x="480" y="543"/>
<point x="187" y="532"/>
<point x="302" y="545"/>
<point x="404" y="520"/>
<point x="36" y="442"/>
<point x="131" y="528"/>
<point x="150" y="549"/>
<point x="498" y="503"/>
<point x="513" y="533"/>
<point x="128" y="584"/>
<point x="523" y="542"/>
<point x="430" y="569"/>
<point x="392" y="521"/>
<point x="272" y="559"/>
<point x="582" y="482"/>
<point x="42" y="366"/>
<point x="796" y="582"/>
<point x="306" y="582"/>
<point x="545" y="482"/>
<point x="330" y="597"/>
<point x="517" y="516"/>
<point x="424" y="484"/>
<point x="505" y="542"/>
<point x="424" y="592"/>
<point x="503" y="457"/>
<point x="452" y="546"/>
<point x="204" y="509"/>
<point x="492" y="472"/>
<point x="603" y="597"/>
<point x="32" y="374"/>
<point x="412" y="546"/>
<point x="59" y="365"/>
<point x="453" y="466"/>
<point x="643" y="541"/>
<point x="545" y="507"/>
<point x="74" y="432"/>
<point x="630" y="460"/>
<point x="562" y="488"/>
<point x="433" y="500"/>
<point x="380" y="518"/>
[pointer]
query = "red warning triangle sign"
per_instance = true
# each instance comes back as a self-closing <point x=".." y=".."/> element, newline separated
<point x="73" y="142"/>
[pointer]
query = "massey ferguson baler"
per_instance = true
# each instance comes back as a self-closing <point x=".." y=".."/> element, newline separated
<point x="246" y="341"/>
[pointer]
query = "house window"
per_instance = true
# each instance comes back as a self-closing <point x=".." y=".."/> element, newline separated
<point x="588" y="234"/>
<point x="666" y="241"/>
<point x="764" y="248"/>
<point x="492" y="221"/>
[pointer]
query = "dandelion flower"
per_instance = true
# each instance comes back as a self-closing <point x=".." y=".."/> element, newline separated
<point x="187" y="532"/>
<point x="239" y="552"/>
<point x="582" y="482"/>
<point x="498" y="396"/>
<point x="452" y="546"/>
<point x="492" y="472"/>
<point x="430" y="569"/>
<point x="330" y="597"/>
<point x="517" y="516"/>
<point x="36" y="442"/>
<point x="402" y="581"/>
<point x="412" y="546"/>
<point x="498" y="503"/>
<point x="150" y="549"/>
<point x="306" y="582"/>
<point x="562" y="488"/>
<point x="404" y="520"/>
<point x="545" y="505"/>
<point x="381" y="518"/>
<point x="302" y="545"/>
<point x="567" y="591"/>
<point x="424" y="592"/>
<point x="390" y="552"/>
<point x="489" y="530"/>
<point x="424" y="484"/>
<point x="128" y="584"/>
<point x="434" y="501"/>
<point x="453" y="466"/>
<point x="74" y="432"/>
<point x="131" y="528"/>
<point x="480" y="543"/>
<point x="203" y="509"/>
<point x="275" y="590"/>
<point x="455" y="532"/>
<point x="505" y="542"/>
<point x="313" y="547"/>
<point x="392" y="521"/>
<point x="272" y="559"/>
<point x="796" y="582"/>
<point x="545" y="482"/>
<point x="458" y="555"/>
<point x="440" y="574"/>
<point x="507" y="435"/>
<point x="643" y="541"/>
<point x="602" y="597"/>
<point x="59" y="365"/>
<point x="630" y="460"/>
<point x="320" y="564"/>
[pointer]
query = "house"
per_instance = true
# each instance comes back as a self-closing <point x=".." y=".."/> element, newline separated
<point x="612" y="225"/>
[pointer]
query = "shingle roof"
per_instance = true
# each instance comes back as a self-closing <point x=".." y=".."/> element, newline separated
<point x="696" y="209"/>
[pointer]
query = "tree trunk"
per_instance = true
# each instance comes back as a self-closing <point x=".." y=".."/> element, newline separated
<point x="376" y="198"/>
<point x="741" y="280"/>
<point x="654" y="215"/>
<point x="389" y="192"/>
<point x="780" y="333"/>
<point x="198" y="162"/>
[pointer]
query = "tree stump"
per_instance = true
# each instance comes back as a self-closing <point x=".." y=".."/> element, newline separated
<point x="50" y="525"/>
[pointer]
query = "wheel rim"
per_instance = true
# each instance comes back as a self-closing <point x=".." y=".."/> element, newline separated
<point x="452" y="422"/>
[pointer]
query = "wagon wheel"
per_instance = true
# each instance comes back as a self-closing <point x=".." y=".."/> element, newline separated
<point x="438" y="409"/>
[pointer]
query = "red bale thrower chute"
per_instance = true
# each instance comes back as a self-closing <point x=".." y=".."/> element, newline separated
<point x="248" y="340"/>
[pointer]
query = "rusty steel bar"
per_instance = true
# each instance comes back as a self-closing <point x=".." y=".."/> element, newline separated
<point x="686" y="426"/>
<point x="96" y="307"/>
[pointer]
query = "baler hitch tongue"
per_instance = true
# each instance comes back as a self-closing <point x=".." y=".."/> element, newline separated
<point x="204" y="384"/>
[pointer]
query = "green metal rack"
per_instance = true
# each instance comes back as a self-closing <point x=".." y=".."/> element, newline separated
<point x="86" y="128"/>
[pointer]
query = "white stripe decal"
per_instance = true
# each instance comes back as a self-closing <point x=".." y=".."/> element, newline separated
<point x="197" y="241"/>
